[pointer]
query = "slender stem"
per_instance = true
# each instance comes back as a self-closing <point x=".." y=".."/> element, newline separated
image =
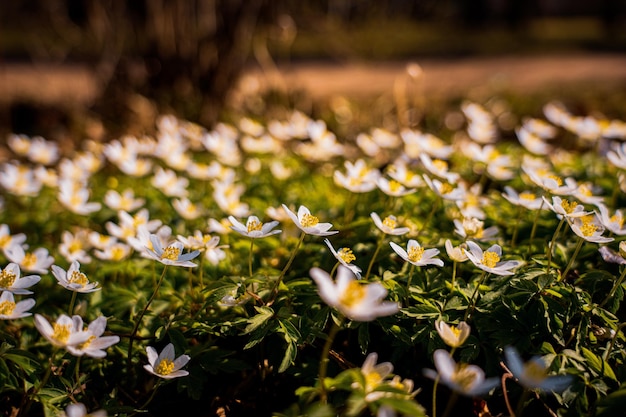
<point x="474" y="297"/>
<point x="430" y="215"/>
<point x="435" y="396"/>
<point x="506" y="376"/>
<point x="325" y="358"/>
<point x="408" y="283"/>
<point x="250" y="257"/>
<point x="516" y="229"/>
<point x="201" y="266"/>
<point x="534" y="228"/>
<point x="70" y="310"/>
<point x="615" y="336"/>
<point x="332" y="271"/>
<point x="149" y="400"/>
<point x="615" y="286"/>
<point x="80" y="386"/>
<point x="451" y="402"/>
<point x="453" y="284"/>
<point x="571" y="261"/>
<point x="27" y="398"/>
<point x="553" y="242"/>
<point x="274" y="292"/>
<point x="138" y="321"/>
<point x="378" y="247"/>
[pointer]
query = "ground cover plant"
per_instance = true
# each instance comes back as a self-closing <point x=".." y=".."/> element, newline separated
<point x="273" y="268"/>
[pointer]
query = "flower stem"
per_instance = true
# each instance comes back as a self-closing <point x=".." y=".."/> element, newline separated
<point x="571" y="261"/>
<point x="408" y="281"/>
<point x="516" y="228"/>
<point x="534" y="229"/>
<point x="474" y="297"/>
<point x="378" y="247"/>
<point x="70" y="310"/>
<point x="325" y="358"/>
<point x="250" y="257"/>
<point x="140" y="318"/>
<point x="553" y="242"/>
<point x="615" y="286"/>
<point x="332" y="271"/>
<point x="274" y="292"/>
<point x="453" y="283"/>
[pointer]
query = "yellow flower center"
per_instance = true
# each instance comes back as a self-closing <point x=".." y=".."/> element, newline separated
<point x="4" y="241"/>
<point x="61" y="332"/>
<point x="86" y="343"/>
<point x="585" y="190"/>
<point x="464" y="376"/>
<point x="7" y="279"/>
<point x="567" y="206"/>
<point x="588" y="228"/>
<point x="415" y="253"/>
<point x="527" y="196"/>
<point x="394" y="186"/>
<point x="117" y="253"/>
<point x="440" y="165"/>
<point x="138" y="220"/>
<point x="346" y="255"/>
<point x="171" y="252"/>
<point x="309" y="220"/>
<point x="353" y="294"/>
<point x="165" y="367"/>
<point x="6" y="308"/>
<point x="446" y="188"/>
<point x="619" y="220"/>
<point x="30" y="260"/>
<point x="372" y="380"/>
<point x="75" y="246"/>
<point x="490" y="259"/>
<point x="534" y="371"/>
<point x="78" y="277"/>
<point x="390" y="222"/>
<point x="559" y="180"/>
<point x="254" y="226"/>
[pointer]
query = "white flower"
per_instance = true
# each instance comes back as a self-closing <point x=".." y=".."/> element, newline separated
<point x="114" y="252"/>
<point x="614" y="223"/>
<point x="166" y="365"/>
<point x="170" y="255"/>
<point x="489" y="260"/>
<point x="446" y="190"/>
<point x="344" y="256"/>
<point x="7" y="240"/>
<point x="393" y="188"/>
<point x="416" y="143"/>
<point x="473" y="228"/>
<point x="125" y="201"/>
<point x="617" y="154"/>
<point x="9" y="309"/>
<point x="73" y="279"/>
<point x="453" y="336"/>
<point x="388" y="225"/>
<point x="566" y="208"/>
<point x="465" y="379"/>
<point x="375" y="373"/>
<point x="355" y="300"/>
<point x="205" y="243"/>
<point x="525" y="199"/>
<point x="439" y="168"/>
<point x="95" y="345"/>
<point x="400" y="172"/>
<point x="36" y="261"/>
<point x="532" y="142"/>
<point x="590" y="229"/>
<point x="11" y="281"/>
<point x="186" y="209"/>
<point x="308" y="223"/>
<point x="533" y="374"/>
<point x="66" y="331"/>
<point x="74" y="196"/>
<point x="253" y="228"/>
<point x="358" y="177"/>
<point x="610" y="256"/>
<point x="169" y="183"/>
<point x="457" y="254"/>
<point x="417" y="255"/>
<point x="79" y="410"/>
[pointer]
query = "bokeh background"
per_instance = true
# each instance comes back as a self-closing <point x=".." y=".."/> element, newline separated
<point x="97" y="68"/>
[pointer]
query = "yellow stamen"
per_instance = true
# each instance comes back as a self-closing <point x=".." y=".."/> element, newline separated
<point x="446" y="188"/>
<point x="309" y="220"/>
<point x="117" y="253"/>
<point x="353" y="294"/>
<point x="346" y="255"/>
<point x="4" y="241"/>
<point x="171" y="252"/>
<point x="440" y="165"/>
<point x="614" y="219"/>
<point x="86" y="343"/>
<point x="254" y="226"/>
<point x="7" y="279"/>
<point x="490" y="259"/>
<point x="165" y="367"/>
<point x="78" y="277"/>
<point x="30" y="260"/>
<point x="390" y="222"/>
<point x="588" y="229"/>
<point x="567" y="206"/>
<point x="415" y="253"/>
<point x="559" y="180"/>
<point x="585" y="190"/>
<point x="6" y="308"/>
<point x="534" y="371"/>
<point x="394" y="186"/>
<point x="527" y="196"/>
<point x="61" y="332"/>
<point x="464" y="376"/>
<point x="372" y="380"/>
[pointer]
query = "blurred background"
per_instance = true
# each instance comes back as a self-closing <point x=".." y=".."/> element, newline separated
<point x="100" y="67"/>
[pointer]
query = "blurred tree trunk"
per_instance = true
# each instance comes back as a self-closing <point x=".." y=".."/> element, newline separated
<point x="184" y="55"/>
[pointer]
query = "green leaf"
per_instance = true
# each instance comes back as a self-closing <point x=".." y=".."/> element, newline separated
<point x="265" y="313"/>
<point x="598" y="364"/>
<point x="403" y="406"/>
<point x="289" y="358"/>
<point x="364" y="337"/>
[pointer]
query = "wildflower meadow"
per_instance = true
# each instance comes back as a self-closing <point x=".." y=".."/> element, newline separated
<point x="272" y="267"/>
